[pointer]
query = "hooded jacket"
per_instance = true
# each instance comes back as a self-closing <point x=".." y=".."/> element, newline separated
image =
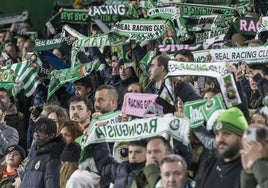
<point x="120" y="174"/>
<point x="122" y="85"/>
<point x="8" y="136"/>
<point x="42" y="170"/>
<point x="17" y="120"/>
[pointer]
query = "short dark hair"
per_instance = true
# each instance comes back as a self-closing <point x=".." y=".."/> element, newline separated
<point x="209" y="80"/>
<point x="164" y="140"/>
<point x="112" y="90"/>
<point x="163" y="60"/>
<point x="212" y="90"/>
<point x="87" y="102"/>
<point x="85" y="81"/>
<point x="25" y="37"/>
<point x="9" y="95"/>
<point x="141" y="143"/>
<point x="5" y="90"/>
<point x="12" y="43"/>
<point x="186" y="53"/>
<point x="46" y="125"/>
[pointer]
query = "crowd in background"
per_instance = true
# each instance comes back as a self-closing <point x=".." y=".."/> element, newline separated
<point x="42" y="134"/>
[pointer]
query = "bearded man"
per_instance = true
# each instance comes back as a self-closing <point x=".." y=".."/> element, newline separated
<point x="223" y="169"/>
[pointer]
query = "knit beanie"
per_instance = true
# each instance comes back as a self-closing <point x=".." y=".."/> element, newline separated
<point x="232" y="120"/>
<point x="71" y="152"/>
<point x="16" y="148"/>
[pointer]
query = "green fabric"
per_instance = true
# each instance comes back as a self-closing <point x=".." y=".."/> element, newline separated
<point x="62" y="76"/>
<point x="260" y="172"/>
<point x="147" y="178"/>
<point x="6" y="182"/>
<point x="144" y="79"/>
<point x="86" y="153"/>
<point x="232" y="120"/>
<point x="247" y="180"/>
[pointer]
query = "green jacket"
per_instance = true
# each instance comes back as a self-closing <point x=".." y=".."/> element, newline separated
<point x="6" y="182"/>
<point x="259" y="176"/>
<point x="147" y="178"/>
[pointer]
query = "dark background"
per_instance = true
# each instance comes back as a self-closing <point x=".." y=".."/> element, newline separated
<point x="40" y="10"/>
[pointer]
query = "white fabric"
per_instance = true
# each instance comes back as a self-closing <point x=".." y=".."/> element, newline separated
<point x="83" y="179"/>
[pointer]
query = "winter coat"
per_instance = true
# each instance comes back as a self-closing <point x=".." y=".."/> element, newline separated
<point x="259" y="175"/>
<point x="206" y="167"/>
<point x="8" y="136"/>
<point x="42" y="170"/>
<point x="186" y="92"/>
<point x="121" y="87"/>
<point x="18" y="121"/>
<point x="7" y="181"/>
<point x="120" y="174"/>
<point x="147" y="178"/>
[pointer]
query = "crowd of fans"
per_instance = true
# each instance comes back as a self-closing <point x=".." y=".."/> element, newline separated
<point x="43" y="135"/>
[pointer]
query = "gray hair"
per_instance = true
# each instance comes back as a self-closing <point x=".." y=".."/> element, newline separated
<point x="174" y="158"/>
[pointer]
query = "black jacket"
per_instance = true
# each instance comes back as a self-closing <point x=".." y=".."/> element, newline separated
<point x="121" y="87"/>
<point x="42" y="170"/>
<point x="18" y="121"/>
<point x="120" y="174"/>
<point x="208" y="166"/>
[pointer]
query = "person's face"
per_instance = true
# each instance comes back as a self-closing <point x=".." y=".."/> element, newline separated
<point x="155" y="150"/>
<point x="257" y="119"/>
<point x="67" y="135"/>
<point x="78" y="112"/>
<point x="209" y="85"/>
<point x="4" y="98"/>
<point x="133" y="88"/>
<point x="53" y="116"/>
<point x="196" y="87"/>
<point x="136" y="154"/>
<point x="114" y="60"/>
<point x="13" y="158"/>
<point x="253" y="84"/>
<point x="33" y="61"/>
<point x="11" y="50"/>
<point x="155" y="71"/>
<point x="81" y="90"/>
<point x="182" y="58"/>
<point x="208" y="95"/>
<point x="41" y="138"/>
<point x="108" y="61"/>
<point x="179" y="104"/>
<point x="173" y="175"/>
<point x="20" y="42"/>
<point x="27" y="27"/>
<point x="27" y="47"/>
<point x="124" y="73"/>
<point x="228" y="144"/>
<point x="103" y="102"/>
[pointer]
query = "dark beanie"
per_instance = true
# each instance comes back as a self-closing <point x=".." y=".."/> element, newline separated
<point x="71" y="152"/>
<point x="16" y="148"/>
